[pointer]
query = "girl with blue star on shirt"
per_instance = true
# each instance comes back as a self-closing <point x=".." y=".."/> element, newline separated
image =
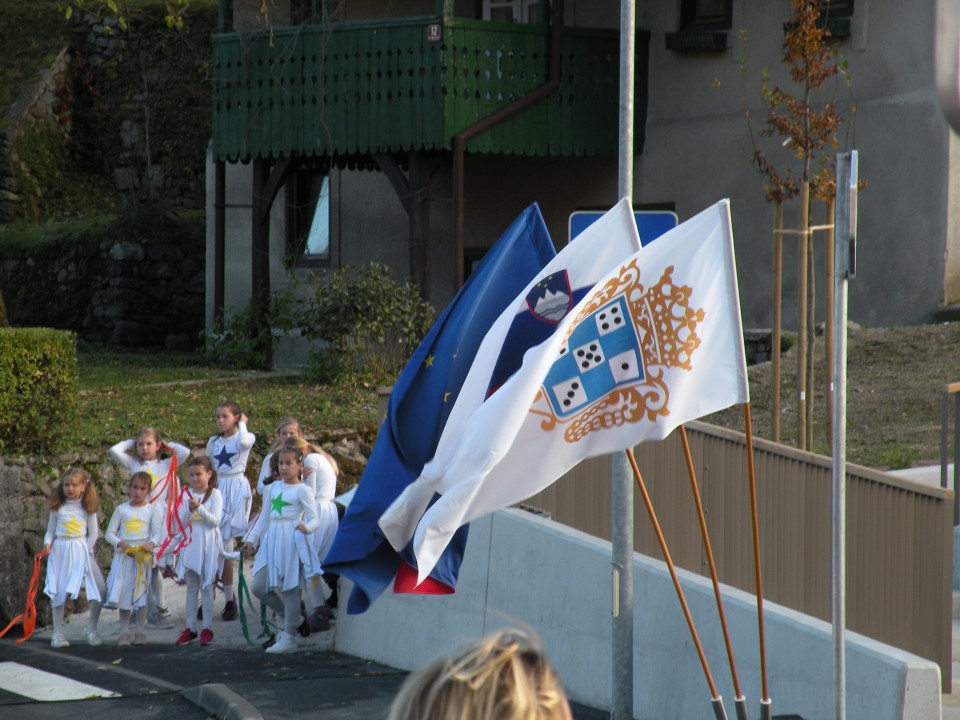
<point x="228" y="451"/>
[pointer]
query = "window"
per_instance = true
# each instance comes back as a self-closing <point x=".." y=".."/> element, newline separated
<point x="512" y="11"/>
<point x="706" y="14"/>
<point x="836" y="8"/>
<point x="308" y="220"/>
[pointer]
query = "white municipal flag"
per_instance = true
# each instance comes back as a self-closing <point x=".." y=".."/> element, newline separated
<point x="658" y="342"/>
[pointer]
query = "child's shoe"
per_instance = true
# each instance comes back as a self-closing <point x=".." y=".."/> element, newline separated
<point x="93" y="638"/>
<point x="59" y="641"/>
<point x="284" y="644"/>
<point x="229" y="611"/>
<point x="318" y="622"/>
<point x="139" y="639"/>
<point x="206" y="636"/>
<point x="124" y="639"/>
<point x="186" y="637"/>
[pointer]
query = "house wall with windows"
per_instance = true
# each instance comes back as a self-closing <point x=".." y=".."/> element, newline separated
<point x="697" y="150"/>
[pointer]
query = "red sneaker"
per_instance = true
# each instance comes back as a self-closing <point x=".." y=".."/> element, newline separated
<point x="206" y="636"/>
<point x="186" y="637"/>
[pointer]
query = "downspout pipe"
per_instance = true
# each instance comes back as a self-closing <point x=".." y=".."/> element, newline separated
<point x="461" y="139"/>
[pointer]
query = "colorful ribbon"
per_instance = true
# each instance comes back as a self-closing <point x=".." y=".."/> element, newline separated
<point x="143" y="558"/>
<point x="29" y="614"/>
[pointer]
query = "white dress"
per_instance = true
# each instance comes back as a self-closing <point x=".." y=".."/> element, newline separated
<point x="203" y="548"/>
<point x="229" y="458"/>
<point x="130" y="571"/>
<point x="164" y="487"/>
<point x="323" y="480"/>
<point x="71" y="534"/>
<point x="284" y="551"/>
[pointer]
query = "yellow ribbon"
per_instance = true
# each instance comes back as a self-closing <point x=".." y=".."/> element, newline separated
<point x="144" y="559"/>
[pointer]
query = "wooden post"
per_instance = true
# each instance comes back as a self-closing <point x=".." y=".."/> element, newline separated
<point x="775" y="335"/>
<point x="802" y="318"/>
<point x="811" y="331"/>
<point x="828" y="317"/>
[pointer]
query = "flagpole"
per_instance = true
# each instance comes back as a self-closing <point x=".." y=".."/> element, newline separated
<point x="622" y="487"/>
<point x="766" y="705"/>
<point x="844" y="263"/>
<point x="715" y="699"/>
<point x="740" y="702"/>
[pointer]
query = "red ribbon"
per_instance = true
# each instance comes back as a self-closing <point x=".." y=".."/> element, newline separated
<point x="29" y="614"/>
<point x="169" y="486"/>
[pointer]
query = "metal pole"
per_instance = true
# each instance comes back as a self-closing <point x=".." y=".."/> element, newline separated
<point x="622" y="481"/>
<point x="844" y="267"/>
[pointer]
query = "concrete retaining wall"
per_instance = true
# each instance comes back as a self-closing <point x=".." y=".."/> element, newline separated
<point x="523" y="570"/>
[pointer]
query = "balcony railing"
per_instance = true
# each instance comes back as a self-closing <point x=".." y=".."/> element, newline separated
<point x="358" y="88"/>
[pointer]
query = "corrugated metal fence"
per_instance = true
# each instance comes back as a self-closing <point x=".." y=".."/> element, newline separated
<point x="899" y="533"/>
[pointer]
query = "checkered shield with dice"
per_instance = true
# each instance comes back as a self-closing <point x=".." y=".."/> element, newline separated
<point x="601" y="354"/>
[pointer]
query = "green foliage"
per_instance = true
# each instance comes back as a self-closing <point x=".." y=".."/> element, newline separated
<point x="359" y="320"/>
<point x="240" y="338"/>
<point x="31" y="35"/>
<point x="365" y="318"/>
<point x="38" y="387"/>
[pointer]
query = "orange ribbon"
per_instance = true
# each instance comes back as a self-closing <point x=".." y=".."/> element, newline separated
<point x="29" y="614"/>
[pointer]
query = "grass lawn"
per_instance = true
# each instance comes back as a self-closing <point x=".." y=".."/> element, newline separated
<point x="121" y="392"/>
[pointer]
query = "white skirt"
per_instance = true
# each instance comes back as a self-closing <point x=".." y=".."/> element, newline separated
<point x="237" y="501"/>
<point x="287" y="554"/>
<point x="70" y="567"/>
<point x="127" y="582"/>
<point x="203" y="556"/>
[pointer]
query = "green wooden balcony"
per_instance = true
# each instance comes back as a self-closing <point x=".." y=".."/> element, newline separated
<point x="360" y="88"/>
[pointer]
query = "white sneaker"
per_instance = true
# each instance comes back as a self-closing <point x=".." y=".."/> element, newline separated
<point x="284" y="644"/>
<point x="92" y="637"/>
<point x="59" y="641"/>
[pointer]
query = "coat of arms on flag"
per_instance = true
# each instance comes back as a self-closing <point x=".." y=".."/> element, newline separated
<point x="610" y="369"/>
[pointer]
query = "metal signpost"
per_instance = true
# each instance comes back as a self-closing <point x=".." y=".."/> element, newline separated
<point x="845" y="267"/>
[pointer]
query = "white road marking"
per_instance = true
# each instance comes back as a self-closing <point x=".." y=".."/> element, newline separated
<point x="45" y="686"/>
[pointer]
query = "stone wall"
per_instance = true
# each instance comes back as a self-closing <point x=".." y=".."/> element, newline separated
<point x="112" y="286"/>
<point x="26" y="483"/>
<point x="38" y="105"/>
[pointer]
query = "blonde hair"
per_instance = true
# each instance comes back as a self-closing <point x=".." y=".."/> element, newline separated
<point x="505" y="677"/>
<point x="281" y="424"/>
<point x="296" y="442"/>
<point x="90" y="499"/>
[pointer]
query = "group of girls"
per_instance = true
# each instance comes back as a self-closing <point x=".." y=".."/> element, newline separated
<point x="189" y="533"/>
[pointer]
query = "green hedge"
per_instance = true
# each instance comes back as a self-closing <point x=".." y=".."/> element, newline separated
<point x="38" y="387"/>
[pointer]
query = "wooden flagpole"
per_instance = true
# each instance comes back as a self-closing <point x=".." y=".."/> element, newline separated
<point x="715" y="699"/>
<point x="740" y="702"/>
<point x="766" y="705"/>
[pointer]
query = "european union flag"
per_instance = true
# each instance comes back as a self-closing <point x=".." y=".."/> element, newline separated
<point x="422" y="398"/>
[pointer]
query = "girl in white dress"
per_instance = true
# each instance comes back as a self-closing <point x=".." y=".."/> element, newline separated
<point x="286" y="427"/>
<point x="229" y="450"/>
<point x="199" y="549"/>
<point x="72" y="531"/>
<point x="320" y="474"/>
<point x="147" y="453"/>
<point x="285" y="556"/>
<point x="134" y="530"/>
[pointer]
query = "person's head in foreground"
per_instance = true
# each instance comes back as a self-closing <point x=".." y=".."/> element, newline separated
<point x="503" y="677"/>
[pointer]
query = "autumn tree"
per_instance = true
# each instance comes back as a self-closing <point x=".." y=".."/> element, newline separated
<point x="807" y="119"/>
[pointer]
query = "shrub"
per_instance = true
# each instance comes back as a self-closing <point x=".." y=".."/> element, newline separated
<point x="38" y="387"/>
<point x="365" y="319"/>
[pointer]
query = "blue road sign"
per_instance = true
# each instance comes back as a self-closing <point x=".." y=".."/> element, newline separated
<point x="650" y="223"/>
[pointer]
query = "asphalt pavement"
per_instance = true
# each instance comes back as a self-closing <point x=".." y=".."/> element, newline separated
<point x="233" y="678"/>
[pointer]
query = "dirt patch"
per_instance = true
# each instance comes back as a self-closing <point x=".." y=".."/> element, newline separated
<point x="895" y="378"/>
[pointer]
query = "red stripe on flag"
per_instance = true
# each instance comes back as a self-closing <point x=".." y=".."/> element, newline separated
<point x="406" y="582"/>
